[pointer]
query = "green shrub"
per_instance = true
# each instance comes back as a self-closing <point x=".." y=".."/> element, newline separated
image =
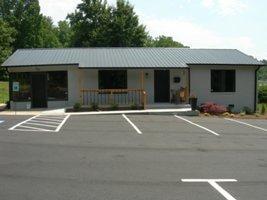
<point x="77" y="106"/>
<point x="263" y="109"/>
<point x="247" y="110"/>
<point x="262" y="94"/>
<point x="114" y="106"/>
<point x="134" y="106"/>
<point x="94" y="106"/>
<point x="242" y="114"/>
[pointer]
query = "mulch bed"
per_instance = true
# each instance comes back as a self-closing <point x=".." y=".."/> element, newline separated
<point x="86" y="109"/>
<point x="238" y="116"/>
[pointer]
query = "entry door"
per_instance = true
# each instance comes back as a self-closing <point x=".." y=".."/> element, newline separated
<point x="162" y="86"/>
<point x="39" y="99"/>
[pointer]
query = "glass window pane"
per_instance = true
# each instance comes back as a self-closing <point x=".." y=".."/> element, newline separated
<point x="112" y="79"/>
<point x="222" y="80"/>
<point x="24" y="80"/>
<point x="57" y="88"/>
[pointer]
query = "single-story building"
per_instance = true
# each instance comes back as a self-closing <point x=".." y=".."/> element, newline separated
<point x="55" y="78"/>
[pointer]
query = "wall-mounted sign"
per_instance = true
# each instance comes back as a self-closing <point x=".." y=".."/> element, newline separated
<point x="15" y="87"/>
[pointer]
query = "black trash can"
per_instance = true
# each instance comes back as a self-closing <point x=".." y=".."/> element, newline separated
<point x="193" y="102"/>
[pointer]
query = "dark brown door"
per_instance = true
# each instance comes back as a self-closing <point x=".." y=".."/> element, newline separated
<point x="162" y="86"/>
<point x="39" y="99"/>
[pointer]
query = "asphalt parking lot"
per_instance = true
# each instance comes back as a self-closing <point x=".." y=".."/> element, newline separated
<point x="134" y="157"/>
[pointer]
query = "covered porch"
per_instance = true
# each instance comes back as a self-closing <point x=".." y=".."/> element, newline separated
<point x="134" y="88"/>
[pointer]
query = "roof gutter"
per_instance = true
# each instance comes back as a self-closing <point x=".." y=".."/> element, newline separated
<point x="41" y="65"/>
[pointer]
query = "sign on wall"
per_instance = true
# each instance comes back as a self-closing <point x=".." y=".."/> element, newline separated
<point x="15" y="87"/>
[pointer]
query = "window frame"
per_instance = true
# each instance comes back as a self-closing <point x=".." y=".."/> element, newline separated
<point x="223" y="91"/>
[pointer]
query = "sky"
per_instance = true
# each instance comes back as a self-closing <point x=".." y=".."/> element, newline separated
<point x="227" y="24"/>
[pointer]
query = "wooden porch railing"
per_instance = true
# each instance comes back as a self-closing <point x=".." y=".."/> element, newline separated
<point x="121" y="97"/>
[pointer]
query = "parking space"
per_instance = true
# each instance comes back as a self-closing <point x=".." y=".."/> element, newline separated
<point x="41" y="123"/>
<point x="134" y="157"/>
<point x="164" y="124"/>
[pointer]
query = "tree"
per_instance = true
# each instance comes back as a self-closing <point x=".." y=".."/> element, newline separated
<point x="96" y="24"/>
<point x="6" y="38"/>
<point x="164" y="41"/>
<point x="48" y="34"/>
<point x="125" y="29"/>
<point x="262" y="73"/>
<point x="29" y="24"/>
<point x="24" y="16"/>
<point x="64" y="33"/>
<point x="90" y="24"/>
<point x="8" y="10"/>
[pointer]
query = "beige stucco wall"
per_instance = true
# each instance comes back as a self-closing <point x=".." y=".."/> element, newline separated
<point x="200" y="84"/>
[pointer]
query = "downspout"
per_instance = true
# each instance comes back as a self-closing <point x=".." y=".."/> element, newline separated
<point x="256" y="89"/>
<point x="9" y="88"/>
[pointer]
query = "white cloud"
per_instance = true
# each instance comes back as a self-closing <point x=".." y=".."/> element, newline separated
<point x="226" y="7"/>
<point x="58" y="9"/>
<point x="197" y="36"/>
<point x="208" y="3"/>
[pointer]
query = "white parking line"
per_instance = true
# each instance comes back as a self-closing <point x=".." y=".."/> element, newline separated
<point x="62" y="123"/>
<point x="53" y="117"/>
<point x="132" y="124"/>
<point x="46" y="122"/>
<point x="12" y="128"/>
<point x="1" y="122"/>
<point x="47" y="119"/>
<point x="38" y="124"/>
<point x="41" y="123"/>
<point x="244" y="123"/>
<point x="215" y="185"/>
<point x="214" y="133"/>
<point x="29" y="127"/>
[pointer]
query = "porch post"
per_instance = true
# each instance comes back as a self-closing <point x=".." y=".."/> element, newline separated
<point x="143" y="94"/>
<point x="142" y="79"/>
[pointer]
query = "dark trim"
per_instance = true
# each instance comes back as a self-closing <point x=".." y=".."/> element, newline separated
<point x="41" y="65"/>
<point x="152" y="67"/>
<point x="136" y="68"/>
<point x="10" y="87"/>
<point x="226" y="64"/>
<point x="256" y="89"/>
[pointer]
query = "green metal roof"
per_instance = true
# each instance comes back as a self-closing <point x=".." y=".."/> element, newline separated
<point x="128" y="57"/>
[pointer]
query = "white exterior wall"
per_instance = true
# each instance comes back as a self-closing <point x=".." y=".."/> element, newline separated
<point x="88" y="79"/>
<point x="200" y="85"/>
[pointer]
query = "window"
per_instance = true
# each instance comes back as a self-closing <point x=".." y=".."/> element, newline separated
<point x="222" y="80"/>
<point x="24" y="80"/>
<point x="57" y="85"/>
<point x="112" y="79"/>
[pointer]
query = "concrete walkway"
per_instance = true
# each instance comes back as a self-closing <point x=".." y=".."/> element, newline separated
<point x="148" y="111"/>
<point x="34" y="112"/>
<point x="62" y="112"/>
